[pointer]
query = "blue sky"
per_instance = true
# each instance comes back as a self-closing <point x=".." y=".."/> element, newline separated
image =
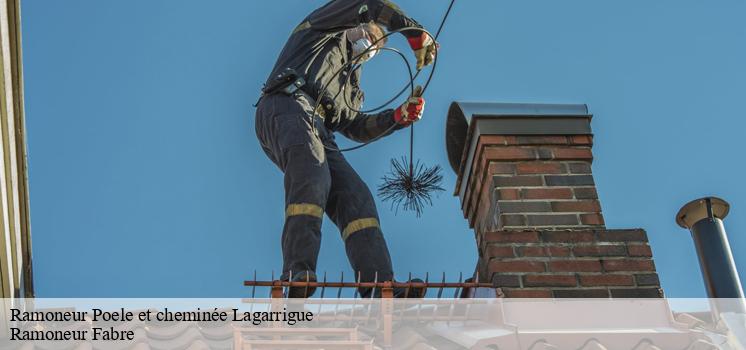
<point x="147" y="180"/>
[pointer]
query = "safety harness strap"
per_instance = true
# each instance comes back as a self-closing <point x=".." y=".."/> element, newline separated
<point x="359" y="225"/>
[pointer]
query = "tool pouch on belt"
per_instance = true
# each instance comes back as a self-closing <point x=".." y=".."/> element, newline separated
<point x="287" y="82"/>
<point x="326" y="107"/>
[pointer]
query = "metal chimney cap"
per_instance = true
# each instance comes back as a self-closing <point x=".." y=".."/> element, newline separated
<point x="696" y="210"/>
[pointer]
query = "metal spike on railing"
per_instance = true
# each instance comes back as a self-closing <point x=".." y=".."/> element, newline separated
<point x="286" y="290"/>
<point x="419" y="305"/>
<point x="427" y="277"/>
<point x="440" y="291"/>
<point x="305" y="289"/>
<point x="409" y="284"/>
<point x="253" y="294"/>
<point x="273" y="279"/>
<point x="323" y="287"/>
<point x="339" y="290"/>
<point x="357" y="290"/>
<point x="372" y="295"/>
<point x="373" y="291"/>
<point x="339" y="293"/>
<point x="253" y="288"/>
<point x="457" y="289"/>
<point x="452" y="306"/>
<point x="440" y="294"/>
<point x="354" y="298"/>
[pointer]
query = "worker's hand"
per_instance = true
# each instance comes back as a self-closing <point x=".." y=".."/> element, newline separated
<point x="424" y="49"/>
<point x="411" y="111"/>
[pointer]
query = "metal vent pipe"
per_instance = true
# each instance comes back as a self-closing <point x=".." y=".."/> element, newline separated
<point x="704" y="218"/>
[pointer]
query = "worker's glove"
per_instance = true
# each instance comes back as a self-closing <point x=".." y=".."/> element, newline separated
<point x="424" y="49"/>
<point x="411" y="111"/>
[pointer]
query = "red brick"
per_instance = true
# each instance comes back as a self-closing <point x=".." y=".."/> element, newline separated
<point x="549" y="281"/>
<point x="507" y="194"/>
<point x="546" y="193"/>
<point x="552" y="220"/>
<point x="509" y="153"/>
<point x="575" y="266"/>
<point x="497" y="265"/>
<point x="628" y="265"/>
<point x="581" y="293"/>
<point x="501" y="280"/>
<point x="582" y="140"/>
<point x="606" y="280"/>
<point x="568" y="180"/>
<point x="542" y="140"/>
<point x="576" y="206"/>
<point x="483" y="215"/>
<point x="512" y="236"/>
<point x="527" y="293"/>
<point x="517" y="181"/>
<point x="512" y="220"/>
<point x="637" y="293"/>
<point x="523" y="207"/>
<point x="501" y="168"/>
<point x="567" y="236"/>
<point x="540" y="168"/>
<point x="639" y="250"/>
<point x="580" y="168"/>
<point x="543" y="251"/>
<point x="591" y="219"/>
<point x="493" y="140"/>
<point x="499" y="251"/>
<point x="585" y="193"/>
<point x="599" y="250"/>
<point x="571" y="153"/>
<point x="623" y="236"/>
<point x="648" y="279"/>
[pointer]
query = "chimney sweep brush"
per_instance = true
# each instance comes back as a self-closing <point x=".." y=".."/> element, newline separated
<point x="410" y="189"/>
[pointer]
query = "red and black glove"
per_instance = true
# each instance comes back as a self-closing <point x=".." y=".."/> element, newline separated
<point x="411" y="111"/>
<point x="424" y="49"/>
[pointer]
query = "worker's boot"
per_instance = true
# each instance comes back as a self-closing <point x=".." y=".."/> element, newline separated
<point x="305" y="291"/>
<point x="411" y="292"/>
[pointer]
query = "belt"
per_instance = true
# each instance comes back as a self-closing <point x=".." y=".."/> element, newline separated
<point x="321" y="108"/>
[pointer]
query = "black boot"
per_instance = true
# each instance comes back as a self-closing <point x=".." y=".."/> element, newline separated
<point x="305" y="291"/>
<point x="399" y="292"/>
<point x="411" y="292"/>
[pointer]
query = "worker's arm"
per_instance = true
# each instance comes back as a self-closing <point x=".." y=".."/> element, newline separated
<point x="365" y="127"/>
<point x="344" y="14"/>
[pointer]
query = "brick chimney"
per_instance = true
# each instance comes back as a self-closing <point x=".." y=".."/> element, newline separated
<point x="527" y="190"/>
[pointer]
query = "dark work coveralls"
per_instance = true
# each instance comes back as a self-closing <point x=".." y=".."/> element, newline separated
<point x="319" y="179"/>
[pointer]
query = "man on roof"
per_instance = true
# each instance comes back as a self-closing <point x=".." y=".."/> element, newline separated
<point x="320" y="66"/>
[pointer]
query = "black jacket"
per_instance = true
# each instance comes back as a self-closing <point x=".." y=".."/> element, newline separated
<point x="318" y="48"/>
